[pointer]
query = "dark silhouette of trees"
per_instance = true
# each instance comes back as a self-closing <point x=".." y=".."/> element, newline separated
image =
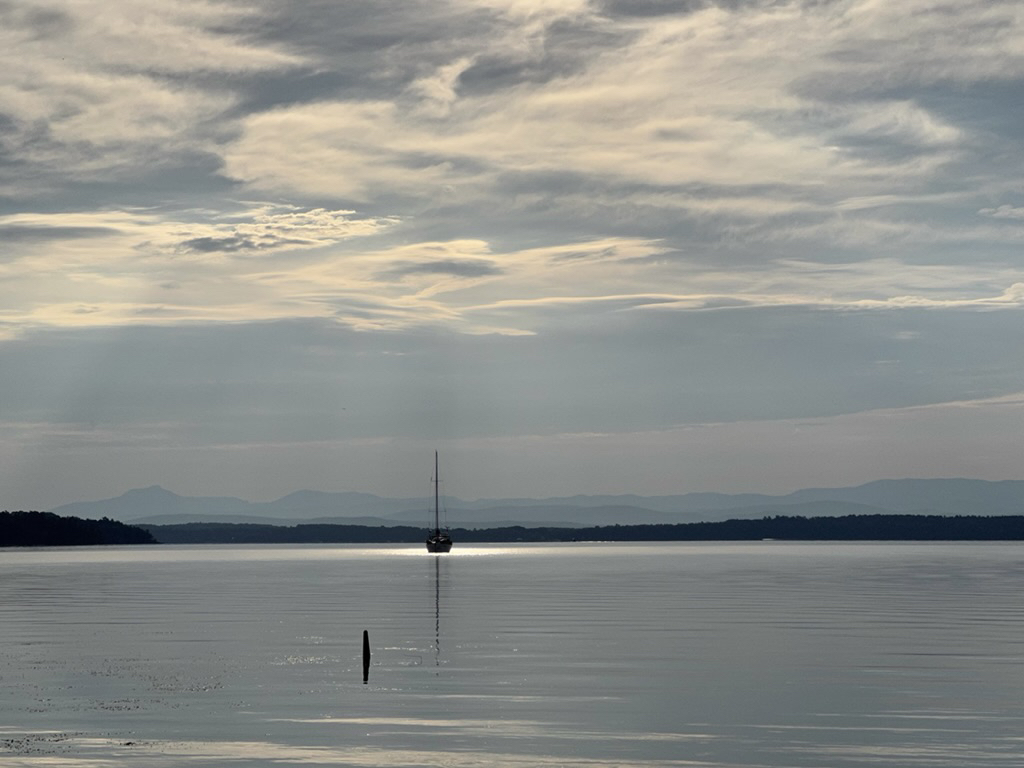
<point x="256" y="533"/>
<point x="783" y="528"/>
<point x="36" y="529"/>
<point x="845" y="528"/>
<point x="45" y="529"/>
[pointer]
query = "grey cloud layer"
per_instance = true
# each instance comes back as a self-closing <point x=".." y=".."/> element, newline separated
<point x="216" y="384"/>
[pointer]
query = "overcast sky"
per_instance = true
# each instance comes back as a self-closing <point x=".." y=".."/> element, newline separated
<point x="633" y="246"/>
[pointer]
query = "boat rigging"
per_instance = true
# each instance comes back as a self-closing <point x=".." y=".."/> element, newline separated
<point x="438" y="540"/>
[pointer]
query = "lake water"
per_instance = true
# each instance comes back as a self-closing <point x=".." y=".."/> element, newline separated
<point x="756" y="655"/>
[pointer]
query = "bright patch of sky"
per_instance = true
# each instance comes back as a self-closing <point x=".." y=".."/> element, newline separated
<point x="631" y="246"/>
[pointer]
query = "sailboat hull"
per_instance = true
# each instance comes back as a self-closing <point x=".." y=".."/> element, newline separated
<point x="440" y="543"/>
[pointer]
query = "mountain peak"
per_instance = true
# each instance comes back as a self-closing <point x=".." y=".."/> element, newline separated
<point x="151" y="492"/>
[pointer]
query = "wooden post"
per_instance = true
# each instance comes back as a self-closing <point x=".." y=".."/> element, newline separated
<point x="366" y="656"/>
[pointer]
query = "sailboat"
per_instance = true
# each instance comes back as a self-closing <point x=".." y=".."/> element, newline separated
<point x="438" y="540"/>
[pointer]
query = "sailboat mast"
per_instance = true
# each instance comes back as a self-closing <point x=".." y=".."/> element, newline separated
<point x="438" y="541"/>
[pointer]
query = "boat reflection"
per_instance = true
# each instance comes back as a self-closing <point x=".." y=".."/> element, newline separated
<point x="437" y="613"/>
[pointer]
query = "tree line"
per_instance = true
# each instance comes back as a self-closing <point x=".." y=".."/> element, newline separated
<point x="45" y="529"/>
<point x="881" y="527"/>
<point x="28" y="529"/>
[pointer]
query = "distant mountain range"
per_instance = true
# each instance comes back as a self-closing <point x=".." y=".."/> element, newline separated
<point x="952" y="496"/>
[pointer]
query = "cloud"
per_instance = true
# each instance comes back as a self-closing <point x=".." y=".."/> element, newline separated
<point x="95" y="91"/>
<point x="270" y="229"/>
<point x="714" y="145"/>
<point x="1003" y="212"/>
<point x="272" y="263"/>
<point x="453" y="267"/>
<point x="230" y="243"/>
<point x="80" y="269"/>
<point x="13" y="233"/>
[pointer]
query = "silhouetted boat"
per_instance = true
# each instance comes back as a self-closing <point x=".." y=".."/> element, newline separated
<point x="438" y="540"/>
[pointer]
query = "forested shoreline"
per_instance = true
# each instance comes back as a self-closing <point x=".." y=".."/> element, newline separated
<point x="783" y="528"/>
<point x="45" y="529"/>
<point x="27" y="529"/>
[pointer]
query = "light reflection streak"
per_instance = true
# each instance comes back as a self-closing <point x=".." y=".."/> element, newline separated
<point x="189" y="553"/>
<point x="987" y="718"/>
<point x="200" y="553"/>
<point x="859" y="728"/>
<point x="460" y="551"/>
<point x="167" y="754"/>
<point x="943" y="755"/>
<point x="532" y="728"/>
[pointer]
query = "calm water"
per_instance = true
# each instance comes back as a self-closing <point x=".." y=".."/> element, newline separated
<point x="765" y="654"/>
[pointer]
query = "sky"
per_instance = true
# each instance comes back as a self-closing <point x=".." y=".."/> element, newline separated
<point x="630" y="246"/>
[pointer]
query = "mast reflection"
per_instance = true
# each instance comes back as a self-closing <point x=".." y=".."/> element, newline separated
<point x="437" y="612"/>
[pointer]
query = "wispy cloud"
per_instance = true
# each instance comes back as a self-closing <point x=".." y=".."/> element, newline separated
<point x="1003" y="212"/>
<point x="129" y="267"/>
<point x="92" y="92"/>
